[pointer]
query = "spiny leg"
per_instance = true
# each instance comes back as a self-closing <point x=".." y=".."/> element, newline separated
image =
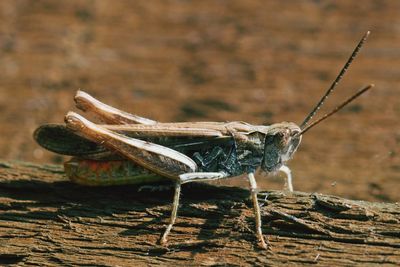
<point x="86" y="102"/>
<point x="288" y="182"/>
<point x="257" y="213"/>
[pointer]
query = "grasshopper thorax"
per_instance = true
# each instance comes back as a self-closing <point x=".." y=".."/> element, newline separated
<point x="281" y="143"/>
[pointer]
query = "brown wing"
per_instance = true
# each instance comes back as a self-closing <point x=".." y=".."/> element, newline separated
<point x="188" y="129"/>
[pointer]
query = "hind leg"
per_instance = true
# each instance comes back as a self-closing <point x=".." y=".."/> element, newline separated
<point x="106" y="113"/>
<point x="156" y="158"/>
<point x="187" y="178"/>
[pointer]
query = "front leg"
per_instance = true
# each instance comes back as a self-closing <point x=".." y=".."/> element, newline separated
<point x="257" y="213"/>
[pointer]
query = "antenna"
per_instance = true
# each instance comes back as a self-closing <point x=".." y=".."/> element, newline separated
<point x="360" y="92"/>
<point x="336" y="81"/>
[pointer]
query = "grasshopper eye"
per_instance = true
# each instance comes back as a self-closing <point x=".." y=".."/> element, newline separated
<point x="281" y="139"/>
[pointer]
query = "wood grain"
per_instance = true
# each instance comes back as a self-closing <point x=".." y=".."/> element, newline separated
<point x="46" y="220"/>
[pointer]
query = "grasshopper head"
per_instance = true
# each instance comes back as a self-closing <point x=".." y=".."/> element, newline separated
<point x="281" y="142"/>
<point x="282" y="139"/>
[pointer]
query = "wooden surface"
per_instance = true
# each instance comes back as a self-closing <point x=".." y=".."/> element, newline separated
<point x="46" y="220"/>
<point x="256" y="61"/>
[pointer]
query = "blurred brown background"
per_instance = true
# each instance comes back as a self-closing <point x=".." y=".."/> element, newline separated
<point x="255" y="61"/>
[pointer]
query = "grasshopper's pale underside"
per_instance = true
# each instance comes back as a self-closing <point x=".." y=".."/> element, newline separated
<point x="133" y="149"/>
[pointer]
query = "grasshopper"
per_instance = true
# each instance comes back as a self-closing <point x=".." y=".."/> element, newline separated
<point x="131" y="149"/>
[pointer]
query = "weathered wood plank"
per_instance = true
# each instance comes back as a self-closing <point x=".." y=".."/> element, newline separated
<point x="46" y="220"/>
